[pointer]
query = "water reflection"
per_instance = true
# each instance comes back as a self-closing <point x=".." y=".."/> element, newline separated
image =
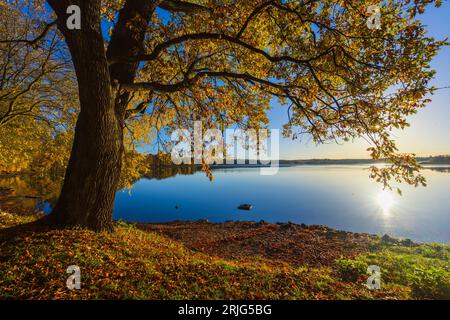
<point x="29" y="192"/>
<point x="40" y="192"/>
<point x="440" y="169"/>
<point x="341" y="197"/>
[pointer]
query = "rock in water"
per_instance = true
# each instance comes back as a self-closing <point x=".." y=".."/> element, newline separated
<point x="245" y="207"/>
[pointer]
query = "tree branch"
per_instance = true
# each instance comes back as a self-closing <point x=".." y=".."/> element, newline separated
<point x="44" y="32"/>
<point x="215" y="36"/>
<point x="255" y="12"/>
<point x="174" y="87"/>
<point x="183" y="6"/>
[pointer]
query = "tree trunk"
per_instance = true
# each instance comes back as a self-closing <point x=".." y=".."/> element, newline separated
<point x="93" y="172"/>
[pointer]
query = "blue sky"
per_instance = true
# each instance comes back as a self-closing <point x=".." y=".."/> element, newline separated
<point x="429" y="133"/>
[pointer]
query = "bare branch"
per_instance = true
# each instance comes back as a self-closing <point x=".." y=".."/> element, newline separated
<point x="44" y="32"/>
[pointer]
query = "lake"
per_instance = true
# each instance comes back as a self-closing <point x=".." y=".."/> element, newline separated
<point x="339" y="196"/>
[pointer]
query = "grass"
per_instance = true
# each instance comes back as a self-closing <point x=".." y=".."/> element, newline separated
<point x="424" y="269"/>
<point x="135" y="264"/>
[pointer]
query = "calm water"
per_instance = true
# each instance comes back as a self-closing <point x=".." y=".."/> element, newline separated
<point x="341" y="197"/>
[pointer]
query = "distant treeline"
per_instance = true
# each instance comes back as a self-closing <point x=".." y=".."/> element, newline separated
<point x="424" y="160"/>
<point x="327" y="161"/>
<point x="161" y="165"/>
<point x="436" y="160"/>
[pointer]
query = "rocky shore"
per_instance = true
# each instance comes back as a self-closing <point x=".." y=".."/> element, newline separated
<point x="295" y="244"/>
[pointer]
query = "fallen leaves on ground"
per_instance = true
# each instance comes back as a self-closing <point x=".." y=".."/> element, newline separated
<point x="238" y="262"/>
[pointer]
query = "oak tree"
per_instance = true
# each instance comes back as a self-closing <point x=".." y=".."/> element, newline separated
<point x="223" y="62"/>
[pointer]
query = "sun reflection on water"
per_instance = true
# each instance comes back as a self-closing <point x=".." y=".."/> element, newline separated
<point x="385" y="201"/>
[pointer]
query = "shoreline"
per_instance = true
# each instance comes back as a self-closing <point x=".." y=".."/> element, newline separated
<point x="296" y="244"/>
<point x="242" y="225"/>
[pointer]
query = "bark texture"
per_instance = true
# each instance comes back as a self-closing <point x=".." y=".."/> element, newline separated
<point x="93" y="172"/>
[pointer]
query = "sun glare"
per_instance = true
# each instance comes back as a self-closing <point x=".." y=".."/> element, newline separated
<point x="385" y="200"/>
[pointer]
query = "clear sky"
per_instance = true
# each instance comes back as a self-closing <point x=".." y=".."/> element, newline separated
<point x="429" y="133"/>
